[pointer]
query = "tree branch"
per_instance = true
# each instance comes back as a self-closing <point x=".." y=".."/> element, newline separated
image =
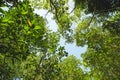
<point x="91" y="19"/>
<point x="37" y="67"/>
<point x="56" y="11"/>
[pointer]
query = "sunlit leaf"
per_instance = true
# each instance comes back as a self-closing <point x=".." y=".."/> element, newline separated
<point x="37" y="27"/>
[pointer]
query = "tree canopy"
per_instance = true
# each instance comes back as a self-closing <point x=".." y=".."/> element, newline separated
<point x="29" y="50"/>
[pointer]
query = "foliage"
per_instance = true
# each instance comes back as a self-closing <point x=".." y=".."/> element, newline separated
<point x="102" y="55"/>
<point x="23" y="35"/>
<point x="71" y="69"/>
<point x="29" y="50"/>
<point x="103" y="5"/>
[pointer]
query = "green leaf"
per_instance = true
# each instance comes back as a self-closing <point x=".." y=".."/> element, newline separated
<point x="37" y="27"/>
<point x="5" y="20"/>
<point x="28" y="32"/>
<point x="24" y="12"/>
<point x="26" y="27"/>
<point x="2" y="11"/>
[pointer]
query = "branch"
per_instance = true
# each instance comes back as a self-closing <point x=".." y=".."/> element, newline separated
<point x="73" y="9"/>
<point x="37" y="67"/>
<point x="46" y="14"/>
<point x="103" y="11"/>
<point x="91" y="19"/>
<point x="52" y="4"/>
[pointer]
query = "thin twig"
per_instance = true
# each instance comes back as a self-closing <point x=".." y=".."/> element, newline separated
<point x="73" y="9"/>
<point x="46" y="13"/>
<point x="91" y="19"/>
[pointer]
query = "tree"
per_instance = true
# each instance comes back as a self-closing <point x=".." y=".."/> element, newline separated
<point x="71" y="69"/>
<point x="24" y="34"/>
<point x="100" y="32"/>
<point x="102" y="55"/>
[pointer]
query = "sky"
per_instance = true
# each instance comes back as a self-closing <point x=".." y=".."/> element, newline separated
<point x="71" y="48"/>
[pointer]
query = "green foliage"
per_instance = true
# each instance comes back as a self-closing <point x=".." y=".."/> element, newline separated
<point x="16" y="35"/>
<point x="70" y="69"/>
<point x="113" y="24"/>
<point x="29" y="50"/>
<point x="23" y="35"/>
<point x="102" y="56"/>
<point x="103" y="5"/>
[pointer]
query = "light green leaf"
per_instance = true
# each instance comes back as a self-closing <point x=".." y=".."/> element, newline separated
<point x="5" y="20"/>
<point x="26" y="27"/>
<point x="24" y="12"/>
<point x="37" y="27"/>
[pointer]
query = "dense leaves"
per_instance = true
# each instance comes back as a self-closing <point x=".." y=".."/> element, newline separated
<point x="23" y="35"/>
<point x="30" y="51"/>
<point x="71" y="69"/>
<point x="103" y="5"/>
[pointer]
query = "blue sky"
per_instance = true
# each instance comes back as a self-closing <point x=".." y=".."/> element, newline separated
<point x="71" y="48"/>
